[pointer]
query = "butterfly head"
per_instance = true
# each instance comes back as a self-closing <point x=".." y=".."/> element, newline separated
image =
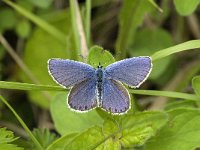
<point x="99" y="66"/>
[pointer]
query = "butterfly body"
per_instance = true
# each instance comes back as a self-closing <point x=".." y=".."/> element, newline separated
<point x="100" y="87"/>
<point x="99" y="73"/>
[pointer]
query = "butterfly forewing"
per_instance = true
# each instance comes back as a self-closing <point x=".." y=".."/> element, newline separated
<point x="132" y="71"/>
<point x="115" y="97"/>
<point x="68" y="72"/>
<point x="82" y="96"/>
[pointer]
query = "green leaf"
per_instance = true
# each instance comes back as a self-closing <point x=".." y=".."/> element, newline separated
<point x="61" y="143"/>
<point x="131" y="16"/>
<point x="9" y="147"/>
<point x="44" y="137"/>
<point x="38" y="21"/>
<point x="185" y="7"/>
<point x="67" y="121"/>
<point x="41" y="3"/>
<point x="135" y="130"/>
<point x="181" y="132"/>
<point x="40" y="47"/>
<point x="189" y="45"/>
<point x="196" y="84"/>
<point x="86" y="139"/>
<point x="100" y="56"/>
<point x="146" y="45"/>
<point x="6" y="136"/>
<point x="23" y="29"/>
<point x="6" y="23"/>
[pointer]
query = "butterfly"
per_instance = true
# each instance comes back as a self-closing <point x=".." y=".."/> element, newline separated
<point x="100" y="87"/>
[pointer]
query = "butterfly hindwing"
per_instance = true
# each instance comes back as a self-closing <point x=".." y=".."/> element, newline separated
<point x="132" y="71"/>
<point x="82" y="96"/>
<point x="68" y="72"/>
<point x="115" y="97"/>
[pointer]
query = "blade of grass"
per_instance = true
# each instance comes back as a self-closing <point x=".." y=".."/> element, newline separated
<point x="22" y="123"/>
<point x="193" y="44"/>
<point x="41" y="23"/>
<point x="156" y="6"/>
<point x="74" y="27"/>
<point x="28" y="87"/>
<point x="79" y="34"/>
<point x="87" y="22"/>
<point x="166" y="94"/>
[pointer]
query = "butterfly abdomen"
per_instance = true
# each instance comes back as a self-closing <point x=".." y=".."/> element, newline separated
<point x="99" y="82"/>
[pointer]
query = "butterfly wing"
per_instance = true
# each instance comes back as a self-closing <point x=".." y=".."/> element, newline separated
<point x="68" y="72"/>
<point x="133" y="71"/>
<point x="115" y="97"/>
<point x="82" y="96"/>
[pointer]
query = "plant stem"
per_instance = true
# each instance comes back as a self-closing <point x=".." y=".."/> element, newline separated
<point x="88" y="20"/>
<point x="79" y="34"/>
<point x="166" y="94"/>
<point x="28" y="86"/>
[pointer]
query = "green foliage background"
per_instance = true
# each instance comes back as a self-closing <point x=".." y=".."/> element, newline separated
<point x="165" y="111"/>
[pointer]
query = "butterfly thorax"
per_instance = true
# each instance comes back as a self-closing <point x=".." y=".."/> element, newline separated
<point x="99" y="81"/>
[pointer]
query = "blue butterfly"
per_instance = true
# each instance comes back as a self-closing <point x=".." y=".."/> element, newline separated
<point x="100" y="87"/>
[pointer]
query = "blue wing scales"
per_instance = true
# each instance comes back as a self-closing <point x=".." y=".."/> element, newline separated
<point x="133" y="71"/>
<point x="68" y="72"/>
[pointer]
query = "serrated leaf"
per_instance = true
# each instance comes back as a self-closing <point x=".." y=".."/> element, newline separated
<point x="60" y="143"/>
<point x="90" y="136"/>
<point x="100" y="56"/>
<point x="133" y="130"/>
<point x="185" y="7"/>
<point x="44" y="137"/>
<point x="10" y="147"/>
<point x="6" y="136"/>
<point x="196" y="85"/>
<point x="137" y="129"/>
<point x="67" y="121"/>
<point x="181" y="132"/>
<point x="147" y="45"/>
